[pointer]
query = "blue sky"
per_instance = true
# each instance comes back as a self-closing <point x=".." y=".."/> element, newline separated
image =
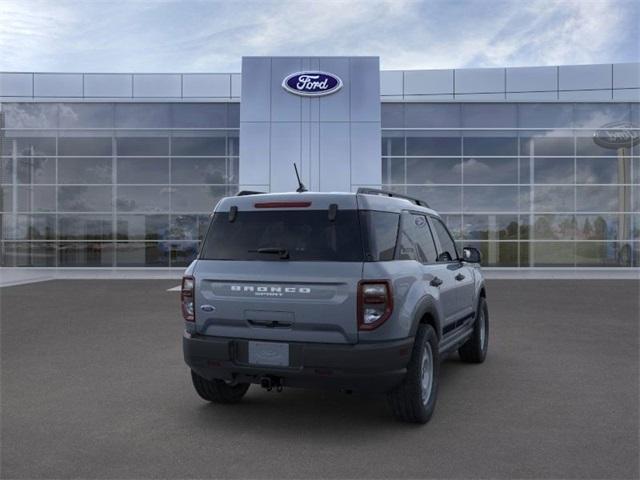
<point x="212" y="36"/>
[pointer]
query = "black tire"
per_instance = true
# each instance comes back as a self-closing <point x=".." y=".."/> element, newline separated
<point x="474" y="350"/>
<point x="406" y="399"/>
<point x="218" y="391"/>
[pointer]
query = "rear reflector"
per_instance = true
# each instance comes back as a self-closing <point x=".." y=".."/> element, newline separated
<point x="282" y="205"/>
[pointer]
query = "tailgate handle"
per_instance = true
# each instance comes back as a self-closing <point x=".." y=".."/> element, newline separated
<point x="270" y="323"/>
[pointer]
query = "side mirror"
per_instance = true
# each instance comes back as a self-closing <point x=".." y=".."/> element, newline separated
<point x="471" y="255"/>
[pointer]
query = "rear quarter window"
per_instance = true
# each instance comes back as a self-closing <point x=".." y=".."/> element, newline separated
<point x="380" y="231"/>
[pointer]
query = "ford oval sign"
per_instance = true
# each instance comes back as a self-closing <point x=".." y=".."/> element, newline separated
<point x="617" y="135"/>
<point x="312" y="84"/>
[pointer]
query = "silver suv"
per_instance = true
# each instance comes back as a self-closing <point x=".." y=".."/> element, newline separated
<point x="357" y="291"/>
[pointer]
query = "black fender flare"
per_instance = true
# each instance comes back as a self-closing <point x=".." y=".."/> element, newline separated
<point x="427" y="305"/>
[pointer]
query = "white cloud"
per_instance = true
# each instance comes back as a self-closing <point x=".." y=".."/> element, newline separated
<point x="198" y="35"/>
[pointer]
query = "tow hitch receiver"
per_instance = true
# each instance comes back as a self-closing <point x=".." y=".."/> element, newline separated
<point x="269" y="382"/>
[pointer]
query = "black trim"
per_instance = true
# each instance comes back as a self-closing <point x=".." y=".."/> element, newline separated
<point x="456" y="324"/>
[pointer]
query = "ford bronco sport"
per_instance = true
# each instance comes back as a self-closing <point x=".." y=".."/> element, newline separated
<point x="357" y="291"/>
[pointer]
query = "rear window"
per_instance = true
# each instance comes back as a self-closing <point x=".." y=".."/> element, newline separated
<point x="292" y="235"/>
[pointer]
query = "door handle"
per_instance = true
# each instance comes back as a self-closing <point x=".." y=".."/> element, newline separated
<point x="436" y="282"/>
<point x="459" y="277"/>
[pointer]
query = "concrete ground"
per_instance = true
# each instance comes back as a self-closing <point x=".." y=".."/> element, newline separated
<point x="93" y="386"/>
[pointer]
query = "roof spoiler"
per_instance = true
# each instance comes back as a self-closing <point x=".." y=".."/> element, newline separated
<point x="243" y="193"/>
<point x="386" y="193"/>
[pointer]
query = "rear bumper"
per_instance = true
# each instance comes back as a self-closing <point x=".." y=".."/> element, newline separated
<point x="371" y="367"/>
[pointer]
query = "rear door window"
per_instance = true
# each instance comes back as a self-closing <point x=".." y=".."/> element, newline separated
<point x="293" y="235"/>
<point x="416" y="241"/>
<point x="447" y="252"/>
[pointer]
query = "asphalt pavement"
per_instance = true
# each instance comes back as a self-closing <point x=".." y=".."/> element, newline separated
<point x="93" y="385"/>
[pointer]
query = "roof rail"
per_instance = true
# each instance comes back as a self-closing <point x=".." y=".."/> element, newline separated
<point x="242" y="193"/>
<point x="386" y="193"/>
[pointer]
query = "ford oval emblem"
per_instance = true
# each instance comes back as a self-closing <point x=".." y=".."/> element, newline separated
<point x="207" y="308"/>
<point x="312" y="84"/>
<point x="617" y="135"/>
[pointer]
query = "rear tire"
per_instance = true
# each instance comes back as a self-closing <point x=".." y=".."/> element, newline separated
<point x="218" y="391"/>
<point x="414" y="400"/>
<point x="475" y="349"/>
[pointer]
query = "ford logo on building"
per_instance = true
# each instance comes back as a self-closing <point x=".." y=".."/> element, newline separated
<point x="312" y="84"/>
<point x="617" y="135"/>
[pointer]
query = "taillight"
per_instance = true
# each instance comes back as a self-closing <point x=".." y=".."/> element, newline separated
<point x="375" y="303"/>
<point x="187" y="298"/>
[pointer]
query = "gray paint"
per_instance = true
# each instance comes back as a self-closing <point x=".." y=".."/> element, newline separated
<point x="335" y="139"/>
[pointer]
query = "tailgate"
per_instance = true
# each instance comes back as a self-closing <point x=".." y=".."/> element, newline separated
<point x="281" y="301"/>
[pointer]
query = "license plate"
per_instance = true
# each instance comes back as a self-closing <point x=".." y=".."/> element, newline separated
<point x="269" y="353"/>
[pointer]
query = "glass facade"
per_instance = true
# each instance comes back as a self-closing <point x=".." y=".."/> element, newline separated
<point x="524" y="183"/>
<point x="133" y="184"/>
<point x="112" y="184"/>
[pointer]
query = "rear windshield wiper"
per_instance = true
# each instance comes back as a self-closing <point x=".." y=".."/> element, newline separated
<point x="283" y="252"/>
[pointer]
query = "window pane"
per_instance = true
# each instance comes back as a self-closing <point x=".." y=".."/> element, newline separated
<point x="603" y="254"/>
<point x="490" y="170"/>
<point x="36" y="170"/>
<point x="37" y="254"/>
<point x="83" y="115"/>
<point x="604" y="227"/>
<point x="603" y="199"/>
<point x="84" y="199"/>
<point x="393" y="170"/>
<point x="603" y="170"/>
<point x="586" y="146"/>
<point x="183" y="253"/>
<point x="380" y="232"/>
<point x="418" y="145"/>
<point x="84" y="170"/>
<point x="30" y="115"/>
<point x="84" y="146"/>
<point x="6" y="170"/>
<point x="416" y="241"/>
<point x="36" y="199"/>
<point x="143" y="170"/>
<point x="489" y="115"/>
<point x="142" y="254"/>
<point x="497" y="254"/>
<point x="551" y="254"/>
<point x="434" y="170"/>
<point x="392" y="115"/>
<point x="143" y="227"/>
<point x="432" y="115"/>
<point x="199" y="170"/>
<point x="490" y="146"/>
<point x="189" y="227"/>
<point x="393" y="143"/>
<point x="598" y="114"/>
<point x="545" y="115"/>
<point x="28" y="227"/>
<point x="546" y="146"/>
<point x="442" y="199"/>
<point x="142" y="115"/>
<point x="447" y="245"/>
<point x="31" y="146"/>
<point x="143" y="146"/>
<point x="199" y="115"/>
<point x="491" y="227"/>
<point x="454" y="224"/>
<point x="94" y="254"/>
<point x="553" y="199"/>
<point x="554" y="227"/>
<point x="553" y="170"/>
<point x="85" y="227"/>
<point x="490" y="199"/>
<point x="198" y="146"/>
<point x="143" y="199"/>
<point x="197" y="199"/>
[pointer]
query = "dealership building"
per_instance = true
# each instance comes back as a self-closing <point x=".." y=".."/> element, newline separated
<point x="537" y="167"/>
